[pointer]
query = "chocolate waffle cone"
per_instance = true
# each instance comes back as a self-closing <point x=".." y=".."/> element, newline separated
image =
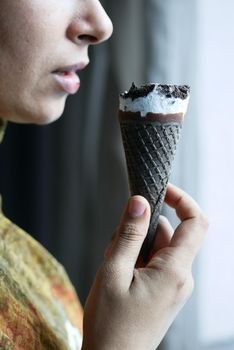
<point x="150" y="148"/>
<point x="150" y="145"/>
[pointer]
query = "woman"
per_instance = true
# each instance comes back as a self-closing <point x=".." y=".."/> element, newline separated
<point x="42" y="45"/>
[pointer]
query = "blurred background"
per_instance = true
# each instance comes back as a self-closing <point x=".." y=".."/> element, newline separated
<point x="66" y="183"/>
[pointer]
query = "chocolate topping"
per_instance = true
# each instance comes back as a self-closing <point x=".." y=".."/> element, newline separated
<point x="136" y="92"/>
<point x="176" y="91"/>
<point x="151" y="117"/>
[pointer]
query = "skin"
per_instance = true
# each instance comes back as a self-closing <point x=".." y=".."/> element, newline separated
<point x="131" y="304"/>
<point x="37" y="37"/>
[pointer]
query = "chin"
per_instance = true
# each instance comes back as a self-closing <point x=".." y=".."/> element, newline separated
<point x="45" y="119"/>
<point x="48" y="112"/>
<point x="40" y="113"/>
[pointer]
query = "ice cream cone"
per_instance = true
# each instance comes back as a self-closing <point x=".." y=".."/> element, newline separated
<point x="151" y="119"/>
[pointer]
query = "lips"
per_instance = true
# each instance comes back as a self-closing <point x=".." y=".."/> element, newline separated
<point x="66" y="78"/>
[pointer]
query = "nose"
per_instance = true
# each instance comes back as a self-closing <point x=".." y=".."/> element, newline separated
<point x="90" y="25"/>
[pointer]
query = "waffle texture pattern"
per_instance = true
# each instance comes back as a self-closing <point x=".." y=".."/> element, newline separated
<point x="150" y="147"/>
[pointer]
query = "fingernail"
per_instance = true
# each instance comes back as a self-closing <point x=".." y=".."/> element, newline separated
<point x="136" y="208"/>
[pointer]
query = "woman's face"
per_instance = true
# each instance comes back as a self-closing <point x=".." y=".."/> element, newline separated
<point x="42" y="44"/>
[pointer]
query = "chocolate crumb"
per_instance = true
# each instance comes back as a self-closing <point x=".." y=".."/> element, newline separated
<point x="136" y="92"/>
<point x="170" y="91"/>
<point x="176" y="91"/>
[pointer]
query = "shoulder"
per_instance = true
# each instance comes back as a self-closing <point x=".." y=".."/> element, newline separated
<point x="15" y="244"/>
<point x="33" y="281"/>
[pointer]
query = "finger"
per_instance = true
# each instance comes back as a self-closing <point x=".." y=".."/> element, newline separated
<point x="190" y="233"/>
<point x="110" y="246"/>
<point x="163" y="235"/>
<point x="185" y="206"/>
<point x="131" y="234"/>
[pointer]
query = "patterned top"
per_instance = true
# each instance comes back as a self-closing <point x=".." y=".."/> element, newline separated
<point x="39" y="308"/>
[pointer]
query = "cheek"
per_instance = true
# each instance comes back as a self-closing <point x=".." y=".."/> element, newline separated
<point x="25" y="84"/>
<point x="27" y="43"/>
<point x="25" y="61"/>
<point x="28" y="46"/>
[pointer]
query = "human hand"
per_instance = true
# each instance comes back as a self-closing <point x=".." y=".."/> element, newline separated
<point x="131" y="305"/>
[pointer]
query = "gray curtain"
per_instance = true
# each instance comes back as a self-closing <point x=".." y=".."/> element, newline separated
<point x="66" y="183"/>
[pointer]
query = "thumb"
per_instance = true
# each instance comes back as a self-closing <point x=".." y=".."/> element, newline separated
<point x="130" y="236"/>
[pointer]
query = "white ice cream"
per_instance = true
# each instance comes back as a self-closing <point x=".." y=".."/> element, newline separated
<point x="154" y="102"/>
